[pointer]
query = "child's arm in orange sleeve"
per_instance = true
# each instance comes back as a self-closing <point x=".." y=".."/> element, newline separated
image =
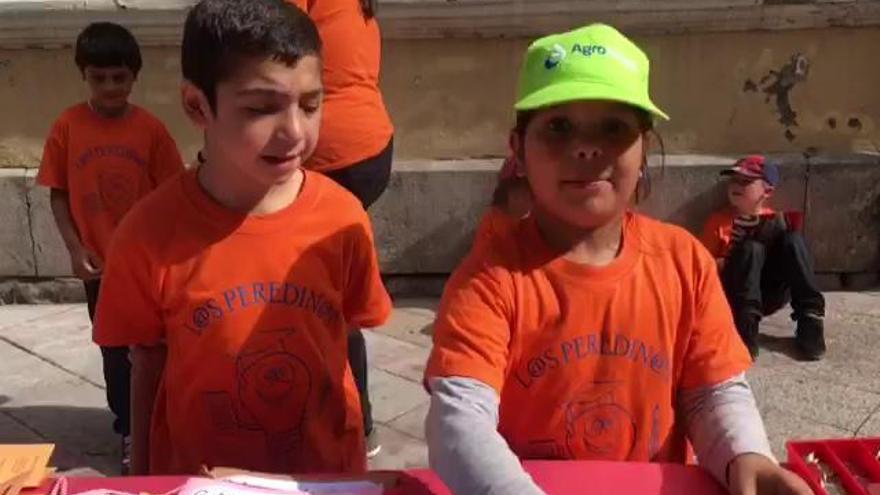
<point x="465" y="374"/>
<point x="86" y="265"/>
<point x="367" y="303"/>
<point x="715" y="352"/>
<point x="147" y="366"/>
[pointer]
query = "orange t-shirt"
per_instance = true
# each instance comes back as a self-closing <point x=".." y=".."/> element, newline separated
<point x="255" y="311"/>
<point x="716" y="231"/>
<point x="106" y="165"/>
<point x="355" y="125"/>
<point x="587" y="361"/>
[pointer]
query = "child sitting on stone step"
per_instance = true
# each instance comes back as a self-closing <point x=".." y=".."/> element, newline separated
<point x="763" y="259"/>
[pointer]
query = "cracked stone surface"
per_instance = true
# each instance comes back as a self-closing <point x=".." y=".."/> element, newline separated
<point x="53" y="387"/>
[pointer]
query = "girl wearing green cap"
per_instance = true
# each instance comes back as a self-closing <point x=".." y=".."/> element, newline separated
<point x="588" y="331"/>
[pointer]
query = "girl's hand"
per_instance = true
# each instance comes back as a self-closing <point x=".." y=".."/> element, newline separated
<point x="755" y="474"/>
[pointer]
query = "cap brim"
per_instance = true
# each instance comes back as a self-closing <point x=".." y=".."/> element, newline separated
<point x="567" y="92"/>
<point x="735" y="171"/>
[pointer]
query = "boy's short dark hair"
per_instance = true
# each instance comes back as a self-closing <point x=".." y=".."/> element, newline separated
<point x="106" y="44"/>
<point x="218" y="33"/>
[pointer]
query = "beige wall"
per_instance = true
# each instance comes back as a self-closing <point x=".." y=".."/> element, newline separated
<point x="451" y="98"/>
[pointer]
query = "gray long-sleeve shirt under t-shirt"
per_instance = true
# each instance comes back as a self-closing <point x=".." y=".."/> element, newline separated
<point x="466" y="450"/>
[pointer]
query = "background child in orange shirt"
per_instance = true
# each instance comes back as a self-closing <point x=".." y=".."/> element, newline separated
<point x="237" y="283"/>
<point x="764" y="262"/>
<point x="590" y="332"/>
<point x="100" y="158"/>
<point x="356" y="144"/>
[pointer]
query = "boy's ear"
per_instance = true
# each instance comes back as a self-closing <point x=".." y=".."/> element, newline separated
<point x="195" y="105"/>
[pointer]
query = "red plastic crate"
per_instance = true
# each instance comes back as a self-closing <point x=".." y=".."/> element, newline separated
<point x="850" y="459"/>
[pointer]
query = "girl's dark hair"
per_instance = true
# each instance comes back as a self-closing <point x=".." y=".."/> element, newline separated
<point x="643" y="189"/>
<point x="218" y="33"/>
<point x="369" y="8"/>
<point x="502" y="189"/>
<point x="106" y="44"/>
<point x="646" y="123"/>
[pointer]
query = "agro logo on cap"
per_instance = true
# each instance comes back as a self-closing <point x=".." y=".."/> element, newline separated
<point x="556" y="56"/>
<point x="589" y="50"/>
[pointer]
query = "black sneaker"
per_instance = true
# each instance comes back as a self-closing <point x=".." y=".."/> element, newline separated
<point x="747" y="325"/>
<point x="125" y="460"/>
<point x="754" y="350"/>
<point x="810" y="337"/>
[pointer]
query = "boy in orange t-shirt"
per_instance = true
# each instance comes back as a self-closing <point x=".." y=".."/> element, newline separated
<point x="590" y="331"/>
<point x="100" y="158"/>
<point x="237" y="282"/>
<point x="763" y="261"/>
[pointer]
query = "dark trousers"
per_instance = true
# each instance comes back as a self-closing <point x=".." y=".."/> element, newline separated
<point x="117" y="370"/>
<point x="760" y="278"/>
<point x="367" y="180"/>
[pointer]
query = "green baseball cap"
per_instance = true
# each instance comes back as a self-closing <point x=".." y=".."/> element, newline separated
<point x="595" y="62"/>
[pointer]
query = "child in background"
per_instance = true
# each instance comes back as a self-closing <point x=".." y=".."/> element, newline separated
<point x="590" y="331"/>
<point x="356" y="145"/>
<point x="100" y="158"/>
<point x="237" y="283"/>
<point x="511" y="202"/>
<point x="763" y="261"/>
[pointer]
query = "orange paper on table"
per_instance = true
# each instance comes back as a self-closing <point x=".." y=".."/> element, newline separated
<point x="28" y="461"/>
<point x="13" y="485"/>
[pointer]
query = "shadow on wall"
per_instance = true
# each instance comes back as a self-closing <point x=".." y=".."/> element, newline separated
<point x="684" y="196"/>
<point x="706" y="202"/>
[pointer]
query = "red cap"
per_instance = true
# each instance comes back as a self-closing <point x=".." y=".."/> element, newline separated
<point x="755" y="167"/>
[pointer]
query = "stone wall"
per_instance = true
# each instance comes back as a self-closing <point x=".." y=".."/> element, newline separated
<point x="425" y="221"/>
<point x="790" y="77"/>
<point x="728" y="92"/>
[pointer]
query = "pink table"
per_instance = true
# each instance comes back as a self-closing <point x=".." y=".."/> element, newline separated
<point x="555" y="477"/>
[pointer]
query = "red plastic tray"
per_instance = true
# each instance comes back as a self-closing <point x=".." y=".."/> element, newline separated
<point x="854" y="461"/>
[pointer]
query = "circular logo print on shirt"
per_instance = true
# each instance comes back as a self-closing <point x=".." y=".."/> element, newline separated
<point x="599" y="428"/>
<point x="118" y="192"/>
<point x="274" y="386"/>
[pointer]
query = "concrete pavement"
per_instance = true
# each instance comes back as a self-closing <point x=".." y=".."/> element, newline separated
<point x="52" y="387"/>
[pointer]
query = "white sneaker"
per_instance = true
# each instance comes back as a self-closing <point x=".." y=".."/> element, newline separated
<point x="373" y="445"/>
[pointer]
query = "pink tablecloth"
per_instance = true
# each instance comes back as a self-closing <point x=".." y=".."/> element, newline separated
<point x="555" y="477"/>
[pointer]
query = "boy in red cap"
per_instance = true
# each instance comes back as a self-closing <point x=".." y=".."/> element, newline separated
<point x="764" y="262"/>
